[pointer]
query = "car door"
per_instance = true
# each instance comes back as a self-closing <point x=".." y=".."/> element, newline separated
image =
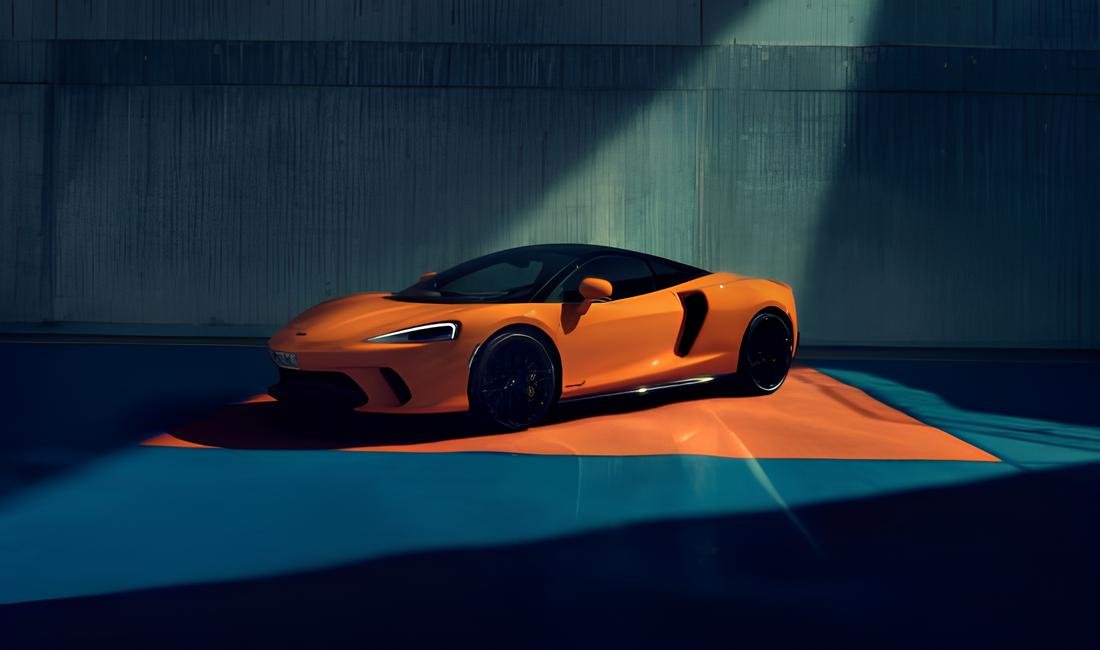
<point x="621" y="343"/>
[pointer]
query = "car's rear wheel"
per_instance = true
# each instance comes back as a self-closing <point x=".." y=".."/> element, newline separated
<point x="765" y="355"/>
<point x="513" y="382"/>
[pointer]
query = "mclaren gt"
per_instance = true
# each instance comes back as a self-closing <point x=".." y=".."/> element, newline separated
<point x="510" y="334"/>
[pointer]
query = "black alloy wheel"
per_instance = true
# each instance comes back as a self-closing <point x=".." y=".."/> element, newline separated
<point x="513" y="382"/>
<point x="765" y="354"/>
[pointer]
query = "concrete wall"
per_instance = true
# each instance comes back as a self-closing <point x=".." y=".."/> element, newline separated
<point x="922" y="171"/>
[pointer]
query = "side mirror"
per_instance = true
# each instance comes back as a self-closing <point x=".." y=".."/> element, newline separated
<point x="590" y="290"/>
<point x="594" y="289"/>
<point x="427" y="276"/>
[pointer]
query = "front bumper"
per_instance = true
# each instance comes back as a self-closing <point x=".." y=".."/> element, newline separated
<point x="372" y="377"/>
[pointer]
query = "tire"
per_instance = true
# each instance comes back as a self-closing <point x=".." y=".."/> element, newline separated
<point x="514" y="381"/>
<point x="765" y="356"/>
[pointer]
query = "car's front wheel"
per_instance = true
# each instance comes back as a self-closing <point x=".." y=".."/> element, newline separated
<point x="513" y="381"/>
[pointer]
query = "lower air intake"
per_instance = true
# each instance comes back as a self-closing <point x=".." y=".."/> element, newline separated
<point x="333" y="390"/>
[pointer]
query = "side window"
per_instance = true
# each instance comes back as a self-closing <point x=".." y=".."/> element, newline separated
<point x="670" y="276"/>
<point x="629" y="277"/>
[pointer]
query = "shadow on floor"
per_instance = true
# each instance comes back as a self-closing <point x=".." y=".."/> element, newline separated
<point x="270" y="425"/>
<point x="1003" y="562"/>
<point x="1055" y="391"/>
<point x="73" y="402"/>
<point x="1023" y="411"/>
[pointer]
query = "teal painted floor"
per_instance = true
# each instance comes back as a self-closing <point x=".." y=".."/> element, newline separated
<point x="105" y="540"/>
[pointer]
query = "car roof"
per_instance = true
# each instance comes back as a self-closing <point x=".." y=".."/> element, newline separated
<point x="585" y="251"/>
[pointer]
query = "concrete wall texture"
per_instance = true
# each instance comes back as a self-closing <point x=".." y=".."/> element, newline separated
<point x="924" y="172"/>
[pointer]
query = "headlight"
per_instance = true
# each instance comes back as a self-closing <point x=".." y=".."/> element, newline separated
<point x="419" y="334"/>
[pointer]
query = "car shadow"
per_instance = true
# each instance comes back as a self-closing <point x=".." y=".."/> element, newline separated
<point x="272" y="426"/>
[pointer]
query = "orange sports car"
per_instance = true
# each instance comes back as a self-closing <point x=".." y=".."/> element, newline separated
<point x="510" y="334"/>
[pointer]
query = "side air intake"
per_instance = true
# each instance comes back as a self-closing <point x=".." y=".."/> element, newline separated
<point x="695" y="312"/>
<point x="397" y="385"/>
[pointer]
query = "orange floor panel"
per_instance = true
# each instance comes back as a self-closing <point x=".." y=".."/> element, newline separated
<point x="812" y="416"/>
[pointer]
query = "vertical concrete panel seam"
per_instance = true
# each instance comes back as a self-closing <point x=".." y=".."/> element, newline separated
<point x="48" y="215"/>
<point x="993" y="21"/>
<point x="699" y="32"/>
<point x="701" y="153"/>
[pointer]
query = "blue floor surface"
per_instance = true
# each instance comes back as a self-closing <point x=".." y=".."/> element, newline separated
<point x="102" y="540"/>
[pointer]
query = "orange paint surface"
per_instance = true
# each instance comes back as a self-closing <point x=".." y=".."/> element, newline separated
<point x="811" y="416"/>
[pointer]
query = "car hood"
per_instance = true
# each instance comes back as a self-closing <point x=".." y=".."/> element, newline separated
<point x="368" y="314"/>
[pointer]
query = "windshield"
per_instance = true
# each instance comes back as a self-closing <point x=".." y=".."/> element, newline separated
<point x="508" y="276"/>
